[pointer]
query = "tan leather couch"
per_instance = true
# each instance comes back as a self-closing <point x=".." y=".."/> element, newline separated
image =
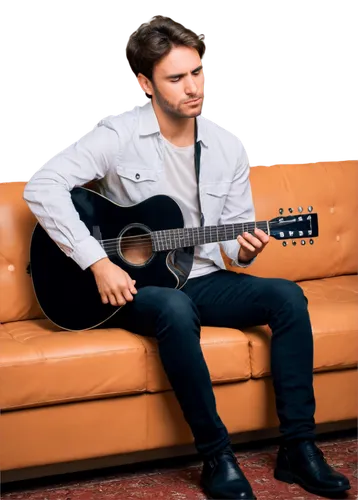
<point x="72" y="400"/>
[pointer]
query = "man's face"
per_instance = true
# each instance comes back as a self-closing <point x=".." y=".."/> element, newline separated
<point x="177" y="79"/>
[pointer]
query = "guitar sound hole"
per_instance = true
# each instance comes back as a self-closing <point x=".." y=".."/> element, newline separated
<point x="135" y="245"/>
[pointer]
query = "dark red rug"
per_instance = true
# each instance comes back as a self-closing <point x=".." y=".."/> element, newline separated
<point x="178" y="479"/>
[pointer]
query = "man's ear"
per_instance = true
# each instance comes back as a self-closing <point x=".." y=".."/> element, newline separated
<point x="145" y="83"/>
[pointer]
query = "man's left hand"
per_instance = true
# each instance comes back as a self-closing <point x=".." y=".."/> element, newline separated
<point x="252" y="245"/>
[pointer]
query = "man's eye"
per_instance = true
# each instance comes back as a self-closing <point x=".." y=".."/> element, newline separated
<point x="177" y="79"/>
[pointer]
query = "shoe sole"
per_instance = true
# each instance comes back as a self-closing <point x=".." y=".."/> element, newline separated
<point x="288" y="477"/>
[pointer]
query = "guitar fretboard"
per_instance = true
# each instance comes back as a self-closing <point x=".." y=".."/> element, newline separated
<point x="170" y="239"/>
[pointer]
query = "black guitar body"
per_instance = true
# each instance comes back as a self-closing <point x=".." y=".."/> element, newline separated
<point x="68" y="295"/>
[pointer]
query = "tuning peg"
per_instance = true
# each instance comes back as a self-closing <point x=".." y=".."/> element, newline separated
<point x="311" y="241"/>
<point x="303" y="242"/>
<point x="281" y="211"/>
<point x="294" y="243"/>
<point x="284" y="243"/>
<point x="290" y="210"/>
<point x="310" y="208"/>
<point x="300" y="209"/>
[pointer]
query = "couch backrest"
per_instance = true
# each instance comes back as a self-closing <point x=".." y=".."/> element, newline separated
<point x="17" y="298"/>
<point x="331" y="188"/>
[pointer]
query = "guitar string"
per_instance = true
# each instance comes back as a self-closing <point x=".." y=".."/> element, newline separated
<point x="113" y="248"/>
<point x="169" y="235"/>
<point x="142" y="241"/>
<point x="161" y="239"/>
<point x="149" y="239"/>
<point x="201" y="230"/>
<point x="149" y="244"/>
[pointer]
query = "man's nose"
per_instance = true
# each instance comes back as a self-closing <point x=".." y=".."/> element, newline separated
<point x="191" y="87"/>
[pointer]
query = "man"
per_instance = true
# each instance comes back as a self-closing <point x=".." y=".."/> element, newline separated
<point x="150" y="150"/>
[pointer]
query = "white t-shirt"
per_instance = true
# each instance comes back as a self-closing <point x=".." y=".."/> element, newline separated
<point x="180" y="184"/>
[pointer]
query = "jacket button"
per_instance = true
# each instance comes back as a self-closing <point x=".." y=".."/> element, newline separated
<point x="137" y="176"/>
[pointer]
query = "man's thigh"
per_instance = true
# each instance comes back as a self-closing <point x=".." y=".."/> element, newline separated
<point x="140" y="315"/>
<point x="236" y="300"/>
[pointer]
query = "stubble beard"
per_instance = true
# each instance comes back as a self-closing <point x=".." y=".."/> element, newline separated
<point x="175" y="112"/>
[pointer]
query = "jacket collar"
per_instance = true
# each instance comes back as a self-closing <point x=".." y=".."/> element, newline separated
<point x="148" y="123"/>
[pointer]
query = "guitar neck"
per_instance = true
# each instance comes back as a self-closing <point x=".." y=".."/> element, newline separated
<point x="170" y="239"/>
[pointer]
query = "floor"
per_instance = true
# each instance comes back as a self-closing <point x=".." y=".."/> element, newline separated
<point x="178" y="479"/>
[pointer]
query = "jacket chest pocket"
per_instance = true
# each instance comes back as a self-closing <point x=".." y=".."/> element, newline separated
<point x="138" y="184"/>
<point x="214" y="196"/>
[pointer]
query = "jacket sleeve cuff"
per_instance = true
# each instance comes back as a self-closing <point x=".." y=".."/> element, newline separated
<point x="242" y="264"/>
<point x="231" y="249"/>
<point x="88" y="252"/>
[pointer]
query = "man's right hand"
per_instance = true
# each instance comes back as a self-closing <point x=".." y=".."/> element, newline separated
<point x="114" y="285"/>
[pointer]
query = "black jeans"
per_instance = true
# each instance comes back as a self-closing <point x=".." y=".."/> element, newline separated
<point x="227" y="299"/>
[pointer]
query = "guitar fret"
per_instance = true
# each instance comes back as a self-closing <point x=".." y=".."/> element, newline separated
<point x="159" y="239"/>
<point x="181" y="238"/>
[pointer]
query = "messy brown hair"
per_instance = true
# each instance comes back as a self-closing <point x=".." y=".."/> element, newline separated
<point x="154" y="40"/>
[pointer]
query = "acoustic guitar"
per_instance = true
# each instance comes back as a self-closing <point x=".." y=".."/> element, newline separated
<point x="148" y="240"/>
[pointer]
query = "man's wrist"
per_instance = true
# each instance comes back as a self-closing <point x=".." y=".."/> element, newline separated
<point x="96" y="265"/>
<point x="242" y="258"/>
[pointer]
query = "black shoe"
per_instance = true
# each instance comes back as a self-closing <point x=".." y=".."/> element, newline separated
<point x="222" y="478"/>
<point x="304" y="464"/>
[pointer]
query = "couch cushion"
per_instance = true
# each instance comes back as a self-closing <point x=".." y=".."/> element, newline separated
<point x="226" y="353"/>
<point x="333" y="308"/>
<point x="41" y="364"/>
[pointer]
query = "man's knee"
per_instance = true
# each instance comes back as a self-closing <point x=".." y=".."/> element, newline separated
<point x="178" y="304"/>
<point x="288" y="292"/>
<point x="179" y="319"/>
<point x="172" y="304"/>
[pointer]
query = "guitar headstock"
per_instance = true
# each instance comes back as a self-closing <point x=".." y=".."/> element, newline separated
<point x="294" y="226"/>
